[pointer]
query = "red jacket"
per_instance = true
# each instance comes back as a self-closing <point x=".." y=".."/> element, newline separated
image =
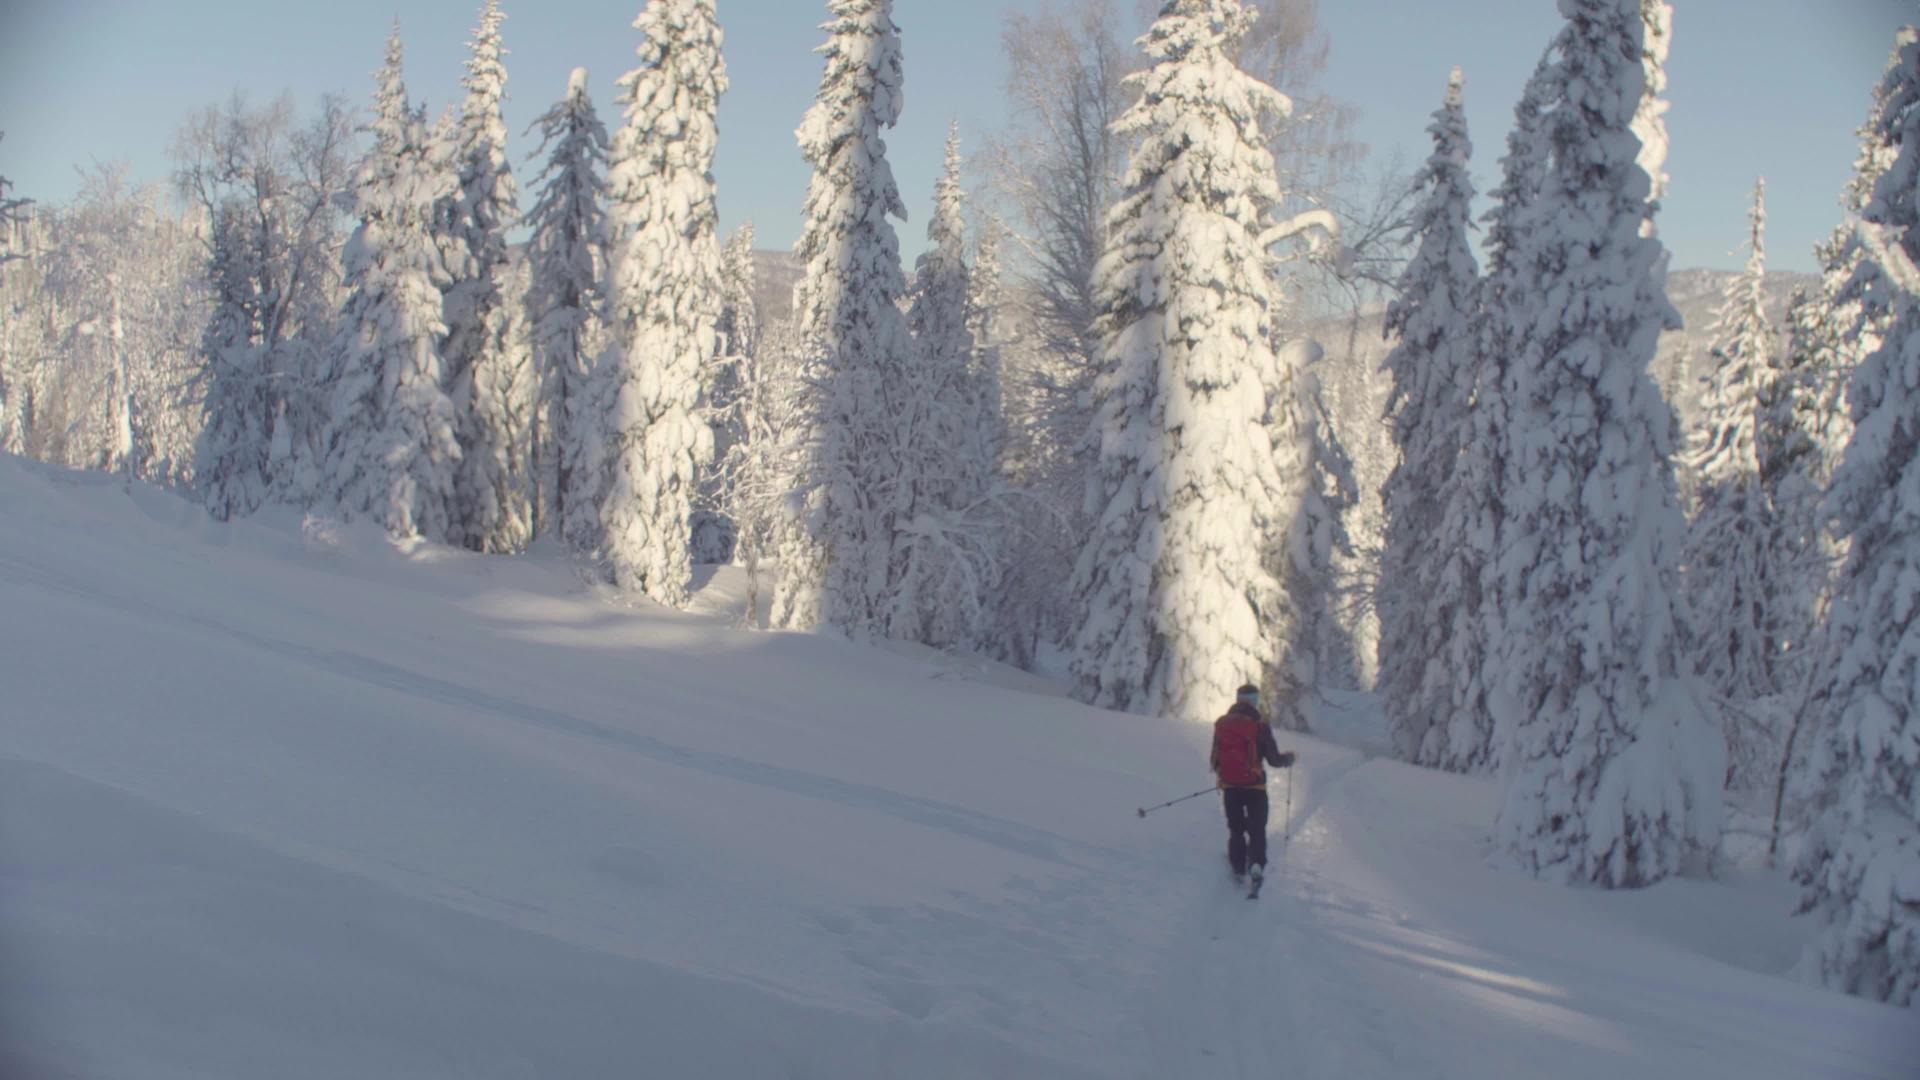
<point x="1235" y="725"/>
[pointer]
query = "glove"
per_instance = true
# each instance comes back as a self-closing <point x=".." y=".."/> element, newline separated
<point x="1286" y="759"/>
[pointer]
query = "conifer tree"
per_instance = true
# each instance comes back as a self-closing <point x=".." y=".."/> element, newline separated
<point x="493" y="512"/>
<point x="941" y="320"/>
<point x="567" y="252"/>
<point x="1465" y="607"/>
<point x="1612" y="768"/>
<point x="838" y="557"/>
<point x="1805" y="424"/>
<point x="1650" y="118"/>
<point x="949" y="556"/>
<point x="392" y="449"/>
<point x="1861" y="866"/>
<point x="234" y="454"/>
<point x="1431" y="367"/>
<point x="1732" y="582"/>
<point x="1805" y="427"/>
<point x="664" y="302"/>
<point x="1175" y="595"/>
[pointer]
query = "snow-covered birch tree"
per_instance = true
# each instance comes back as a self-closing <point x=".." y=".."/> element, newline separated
<point x="1176" y="601"/>
<point x="269" y="191"/>
<point x="492" y="512"/>
<point x="15" y="389"/>
<point x="1431" y="367"/>
<point x="986" y="299"/>
<point x="1861" y="866"/>
<point x="715" y="532"/>
<point x="1315" y="564"/>
<point x="838" y="559"/>
<point x="392" y="447"/>
<point x="1612" y="767"/>
<point x="567" y="253"/>
<point x="1732" y="582"/>
<point x="664" y="300"/>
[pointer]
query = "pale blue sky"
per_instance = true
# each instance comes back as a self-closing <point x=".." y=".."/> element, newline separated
<point x="1757" y="86"/>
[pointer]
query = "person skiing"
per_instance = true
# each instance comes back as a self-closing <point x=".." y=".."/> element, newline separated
<point x="1242" y="740"/>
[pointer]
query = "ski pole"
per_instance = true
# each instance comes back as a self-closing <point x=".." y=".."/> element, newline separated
<point x="1145" y="810"/>
<point x="1286" y="832"/>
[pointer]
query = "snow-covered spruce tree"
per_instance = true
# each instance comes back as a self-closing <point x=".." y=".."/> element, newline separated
<point x="1732" y="582"/>
<point x="838" y="558"/>
<point x="941" y="317"/>
<point x="664" y="300"/>
<point x="1612" y="767"/>
<point x="1174" y="596"/>
<point x="949" y="551"/>
<point x="1650" y="118"/>
<point x="233" y="459"/>
<point x="492" y="512"/>
<point x="1861" y="865"/>
<point x="1805" y="428"/>
<point x="1466" y="601"/>
<point x="1431" y="367"/>
<point x="567" y="255"/>
<point x="1805" y="425"/>
<point x="715" y="533"/>
<point x="392" y="451"/>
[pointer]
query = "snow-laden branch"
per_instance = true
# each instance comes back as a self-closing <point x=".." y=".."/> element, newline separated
<point x="1322" y="230"/>
<point x="1306" y="221"/>
<point x="1884" y="248"/>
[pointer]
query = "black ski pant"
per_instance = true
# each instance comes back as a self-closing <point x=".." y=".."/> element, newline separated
<point x="1246" y="827"/>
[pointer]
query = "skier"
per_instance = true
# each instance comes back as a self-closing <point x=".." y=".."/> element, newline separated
<point x="1242" y="739"/>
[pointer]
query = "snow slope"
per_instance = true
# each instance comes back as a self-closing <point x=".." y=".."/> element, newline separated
<point x="281" y="800"/>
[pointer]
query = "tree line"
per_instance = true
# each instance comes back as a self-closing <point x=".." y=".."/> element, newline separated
<point x="1645" y="632"/>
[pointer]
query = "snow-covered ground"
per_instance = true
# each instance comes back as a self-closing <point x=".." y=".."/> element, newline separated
<point x="281" y="800"/>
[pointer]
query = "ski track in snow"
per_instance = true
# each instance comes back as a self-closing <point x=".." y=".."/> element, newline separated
<point x="278" y="810"/>
<point x="1364" y="959"/>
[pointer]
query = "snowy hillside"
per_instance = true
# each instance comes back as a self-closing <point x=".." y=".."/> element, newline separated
<point x="284" y="800"/>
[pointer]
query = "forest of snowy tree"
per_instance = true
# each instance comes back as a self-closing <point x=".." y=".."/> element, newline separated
<point x="1177" y="397"/>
